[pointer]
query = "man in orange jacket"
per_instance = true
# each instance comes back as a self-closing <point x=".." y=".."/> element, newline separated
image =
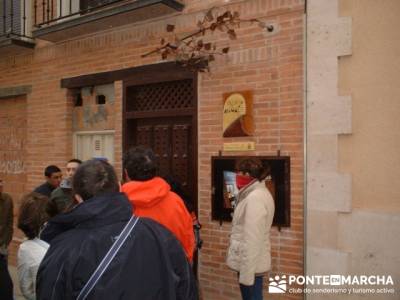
<point x="151" y="197"/>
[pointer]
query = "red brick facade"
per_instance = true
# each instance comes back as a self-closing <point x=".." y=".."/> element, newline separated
<point x="268" y="64"/>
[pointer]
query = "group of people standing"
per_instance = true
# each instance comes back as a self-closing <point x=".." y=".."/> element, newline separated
<point x="89" y="237"/>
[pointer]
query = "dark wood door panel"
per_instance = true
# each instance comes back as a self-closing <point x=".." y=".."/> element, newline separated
<point x="160" y="112"/>
<point x="161" y="147"/>
<point x="171" y="141"/>
<point x="144" y="135"/>
<point x="182" y="150"/>
<point x="170" y="96"/>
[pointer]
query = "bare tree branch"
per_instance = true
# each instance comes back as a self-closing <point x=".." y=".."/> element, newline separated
<point x="191" y="50"/>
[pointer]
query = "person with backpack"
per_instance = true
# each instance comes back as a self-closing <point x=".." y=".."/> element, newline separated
<point x="100" y="250"/>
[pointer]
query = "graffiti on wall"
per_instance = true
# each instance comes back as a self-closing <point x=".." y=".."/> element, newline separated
<point x="12" y="166"/>
<point x="12" y="144"/>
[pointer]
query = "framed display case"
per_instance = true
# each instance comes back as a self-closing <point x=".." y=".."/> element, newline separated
<point x="224" y="190"/>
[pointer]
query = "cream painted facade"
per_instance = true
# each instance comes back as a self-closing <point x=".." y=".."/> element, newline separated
<point x="353" y="141"/>
<point x="372" y="76"/>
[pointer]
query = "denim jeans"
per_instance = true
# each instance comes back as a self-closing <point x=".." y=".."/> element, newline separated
<point x="253" y="292"/>
<point x="6" y="285"/>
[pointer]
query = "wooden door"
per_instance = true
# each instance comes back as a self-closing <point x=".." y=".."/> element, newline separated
<point x="162" y="116"/>
<point x="171" y="140"/>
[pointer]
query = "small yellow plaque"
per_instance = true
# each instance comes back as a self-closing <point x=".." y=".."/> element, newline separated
<point x="239" y="146"/>
<point x="238" y="114"/>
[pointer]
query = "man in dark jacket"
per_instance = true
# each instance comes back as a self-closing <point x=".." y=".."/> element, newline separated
<point x="53" y="177"/>
<point x="61" y="197"/>
<point x="150" y="264"/>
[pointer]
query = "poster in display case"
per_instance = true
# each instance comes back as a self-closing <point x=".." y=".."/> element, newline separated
<point x="224" y="189"/>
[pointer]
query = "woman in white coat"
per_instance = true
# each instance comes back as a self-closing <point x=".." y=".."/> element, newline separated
<point x="249" y="251"/>
<point x="33" y="214"/>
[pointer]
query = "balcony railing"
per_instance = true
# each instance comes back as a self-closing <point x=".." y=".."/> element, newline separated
<point x="15" y="19"/>
<point x="57" y="20"/>
<point x="48" y="12"/>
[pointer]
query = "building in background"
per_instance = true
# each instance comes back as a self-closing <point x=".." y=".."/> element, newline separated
<point x="85" y="90"/>
<point x="321" y="84"/>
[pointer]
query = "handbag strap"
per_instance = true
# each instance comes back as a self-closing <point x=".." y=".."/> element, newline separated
<point x="90" y="284"/>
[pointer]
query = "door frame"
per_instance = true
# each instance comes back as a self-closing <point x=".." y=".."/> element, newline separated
<point x="165" y="72"/>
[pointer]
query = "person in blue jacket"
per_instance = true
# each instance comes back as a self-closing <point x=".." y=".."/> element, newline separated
<point x="150" y="263"/>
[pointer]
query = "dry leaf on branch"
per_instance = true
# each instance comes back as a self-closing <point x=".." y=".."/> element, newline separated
<point x="193" y="51"/>
<point x="232" y="34"/>
<point x="170" y="28"/>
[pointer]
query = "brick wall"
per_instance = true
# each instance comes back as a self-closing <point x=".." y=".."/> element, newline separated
<point x="13" y="127"/>
<point x="272" y="67"/>
<point x="269" y="64"/>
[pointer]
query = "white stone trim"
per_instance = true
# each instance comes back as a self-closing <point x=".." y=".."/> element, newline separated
<point x="328" y="115"/>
